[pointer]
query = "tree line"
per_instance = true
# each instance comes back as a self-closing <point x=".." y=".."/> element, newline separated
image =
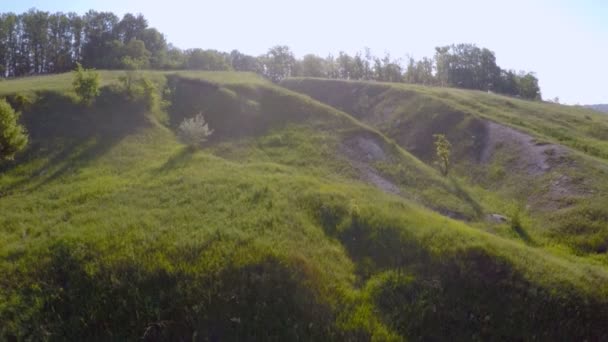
<point x="38" y="42"/>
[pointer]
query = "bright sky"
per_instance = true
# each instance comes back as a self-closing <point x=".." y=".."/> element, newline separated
<point x="564" y="41"/>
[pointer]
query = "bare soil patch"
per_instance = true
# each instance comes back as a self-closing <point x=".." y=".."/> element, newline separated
<point x="363" y="152"/>
<point x="533" y="157"/>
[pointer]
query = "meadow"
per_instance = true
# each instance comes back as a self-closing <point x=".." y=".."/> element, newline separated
<point x="297" y="220"/>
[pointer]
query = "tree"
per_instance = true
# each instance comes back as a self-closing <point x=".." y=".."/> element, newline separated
<point x="392" y="70"/>
<point x="312" y="66"/>
<point x="194" y="131"/>
<point x="243" y="62"/>
<point x="134" y="53"/>
<point x="279" y="63"/>
<point x="99" y="30"/>
<point x="331" y="67"/>
<point x="85" y="84"/>
<point x="156" y="44"/>
<point x="345" y="65"/>
<point x="442" y="64"/>
<point x="358" y="67"/>
<point x="207" y="60"/>
<point x="419" y="72"/>
<point x="131" y="27"/>
<point x="12" y="135"/>
<point x="443" y="149"/>
<point x="527" y="85"/>
<point x="59" y="56"/>
<point x="424" y="70"/>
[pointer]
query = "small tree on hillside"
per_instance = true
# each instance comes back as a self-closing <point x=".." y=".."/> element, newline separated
<point x="443" y="149"/>
<point x="194" y="131"/>
<point x="86" y="84"/>
<point x="12" y="135"/>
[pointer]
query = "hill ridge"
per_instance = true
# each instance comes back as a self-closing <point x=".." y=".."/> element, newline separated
<point x="268" y="232"/>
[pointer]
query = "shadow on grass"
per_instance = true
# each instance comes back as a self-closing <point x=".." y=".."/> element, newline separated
<point x="462" y="194"/>
<point x="263" y="298"/>
<point x="523" y="234"/>
<point x="461" y="294"/>
<point x="71" y="134"/>
<point x="181" y="158"/>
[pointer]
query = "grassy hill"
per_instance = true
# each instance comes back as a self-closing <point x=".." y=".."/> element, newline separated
<point x="503" y="146"/>
<point x="598" y="107"/>
<point x="296" y="221"/>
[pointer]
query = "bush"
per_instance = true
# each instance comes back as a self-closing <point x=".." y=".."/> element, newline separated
<point x="86" y="84"/>
<point x="139" y="88"/>
<point x="12" y="135"/>
<point x="20" y="101"/>
<point x="194" y="131"/>
<point x="443" y="150"/>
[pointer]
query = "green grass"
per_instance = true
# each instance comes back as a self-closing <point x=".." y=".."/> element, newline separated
<point x="574" y="126"/>
<point x="411" y="114"/>
<point x="112" y="229"/>
<point x="63" y="82"/>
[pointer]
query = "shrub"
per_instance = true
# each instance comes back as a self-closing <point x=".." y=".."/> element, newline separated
<point x="128" y="82"/>
<point x="139" y="88"/>
<point x="86" y="84"/>
<point x="443" y="150"/>
<point x="12" y="135"/>
<point x="194" y="131"/>
<point x="19" y="101"/>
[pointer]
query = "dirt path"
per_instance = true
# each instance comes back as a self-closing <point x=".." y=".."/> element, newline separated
<point x="362" y="153"/>
<point x="526" y="156"/>
<point x="530" y="156"/>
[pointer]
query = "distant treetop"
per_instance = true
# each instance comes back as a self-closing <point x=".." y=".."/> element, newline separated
<point x="39" y="42"/>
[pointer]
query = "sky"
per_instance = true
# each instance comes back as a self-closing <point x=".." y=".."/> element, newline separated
<point x="565" y="42"/>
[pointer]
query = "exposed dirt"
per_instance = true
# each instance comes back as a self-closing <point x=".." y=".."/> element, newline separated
<point x="363" y="152"/>
<point x="532" y="157"/>
<point x="528" y="156"/>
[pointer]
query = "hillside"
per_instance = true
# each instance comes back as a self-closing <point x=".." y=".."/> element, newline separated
<point x="297" y="220"/>
<point x="548" y="160"/>
<point x="599" y="107"/>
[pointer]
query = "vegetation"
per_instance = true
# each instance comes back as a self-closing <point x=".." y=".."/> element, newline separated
<point x="510" y="155"/>
<point x="38" y="42"/>
<point x="443" y="150"/>
<point x="297" y="221"/>
<point x="194" y="131"/>
<point x="86" y="84"/>
<point x="12" y="135"/>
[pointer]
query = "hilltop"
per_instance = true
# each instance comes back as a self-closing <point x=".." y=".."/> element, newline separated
<point x="314" y="212"/>
<point x="599" y="107"/>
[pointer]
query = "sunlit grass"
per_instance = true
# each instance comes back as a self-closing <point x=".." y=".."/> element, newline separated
<point x="103" y="235"/>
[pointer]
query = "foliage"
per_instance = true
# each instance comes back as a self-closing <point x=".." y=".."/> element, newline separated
<point x="13" y="137"/>
<point x="20" y="101"/>
<point x="199" y="59"/>
<point x="270" y="234"/>
<point x="443" y="149"/>
<point x="85" y="84"/>
<point x="38" y="42"/>
<point x="528" y="87"/>
<point x="494" y="181"/>
<point x="242" y="62"/>
<point x="194" y="131"/>
<point x="138" y="87"/>
<point x="312" y="66"/>
<point x="279" y="63"/>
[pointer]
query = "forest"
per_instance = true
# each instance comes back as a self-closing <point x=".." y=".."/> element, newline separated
<point x="39" y="42"/>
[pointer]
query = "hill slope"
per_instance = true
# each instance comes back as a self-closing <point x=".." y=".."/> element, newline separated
<point x="296" y="221"/>
<point x="502" y="145"/>
<point x="599" y="107"/>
